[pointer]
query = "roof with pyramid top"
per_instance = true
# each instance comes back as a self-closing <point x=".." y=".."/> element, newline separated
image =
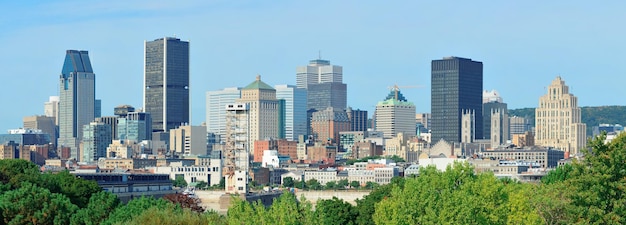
<point x="258" y="84"/>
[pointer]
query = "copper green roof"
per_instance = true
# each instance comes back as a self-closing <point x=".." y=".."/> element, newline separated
<point x="258" y="84"/>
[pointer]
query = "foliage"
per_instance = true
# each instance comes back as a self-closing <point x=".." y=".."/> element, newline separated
<point x="202" y="185"/>
<point x="343" y="183"/>
<point x="365" y="207"/>
<point x="284" y="210"/>
<point x="559" y="174"/>
<point x="331" y="185"/>
<point x="78" y="190"/>
<point x="135" y="207"/>
<point x="335" y="212"/>
<point x="100" y="205"/>
<point x="313" y="184"/>
<point x="288" y="182"/>
<point x="355" y="184"/>
<point x="31" y="204"/>
<point x="179" y="182"/>
<point x="15" y="171"/>
<point x="175" y="216"/>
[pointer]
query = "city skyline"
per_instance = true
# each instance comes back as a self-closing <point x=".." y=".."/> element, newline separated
<point x="522" y="47"/>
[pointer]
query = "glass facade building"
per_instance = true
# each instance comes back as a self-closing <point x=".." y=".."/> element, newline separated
<point x="295" y="122"/>
<point x="136" y="126"/>
<point x="77" y="105"/>
<point x="166" y="83"/>
<point x="216" y="102"/>
<point x="456" y="85"/>
<point x="324" y="95"/>
<point x="96" y="139"/>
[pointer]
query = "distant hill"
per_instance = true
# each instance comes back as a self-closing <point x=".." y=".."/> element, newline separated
<point x="591" y="115"/>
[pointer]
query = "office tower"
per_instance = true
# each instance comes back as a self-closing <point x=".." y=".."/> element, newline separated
<point x="51" y="109"/>
<point x="327" y="124"/>
<point x="519" y="125"/>
<point x="318" y="71"/>
<point x="135" y="126"/>
<point x="123" y="110"/>
<point x="111" y="121"/>
<point x="323" y="95"/>
<point x="295" y="110"/>
<point x="358" y="119"/>
<point x="557" y="120"/>
<point x="499" y="127"/>
<point x="395" y="115"/>
<point x="188" y="140"/>
<point x="98" y="108"/>
<point x="43" y="123"/>
<point x="492" y="101"/>
<point x="166" y="83"/>
<point x="263" y="108"/>
<point x="456" y="85"/>
<point x="77" y="102"/>
<point x="216" y="102"/>
<point x="96" y="139"/>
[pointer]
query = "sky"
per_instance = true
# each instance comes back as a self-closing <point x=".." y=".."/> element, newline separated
<point x="523" y="45"/>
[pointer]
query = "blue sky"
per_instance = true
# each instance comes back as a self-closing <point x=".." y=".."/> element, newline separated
<point x="523" y="45"/>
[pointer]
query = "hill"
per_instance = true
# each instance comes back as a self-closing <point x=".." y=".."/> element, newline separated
<point x="590" y="115"/>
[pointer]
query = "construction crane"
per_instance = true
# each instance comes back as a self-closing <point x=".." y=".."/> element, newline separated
<point x="395" y="88"/>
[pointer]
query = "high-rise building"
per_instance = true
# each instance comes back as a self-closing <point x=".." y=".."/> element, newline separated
<point x="96" y="139"/>
<point x="324" y="95"/>
<point x="77" y="102"/>
<point x="135" y="126"/>
<point x="492" y="102"/>
<point x="216" y="102"/>
<point x="558" y="120"/>
<point x="43" y="123"/>
<point x="295" y="110"/>
<point x="263" y="109"/>
<point x="318" y="71"/>
<point x="188" y="140"/>
<point x="456" y="85"/>
<point x="395" y="115"/>
<point x="519" y="125"/>
<point x="166" y="83"/>
<point x="358" y="119"/>
<point x="111" y="121"/>
<point x="327" y="124"/>
<point x="123" y="110"/>
<point x="51" y="109"/>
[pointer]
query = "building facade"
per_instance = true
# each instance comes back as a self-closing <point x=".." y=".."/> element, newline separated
<point x="263" y="110"/>
<point x="318" y="71"/>
<point x="395" y="115"/>
<point x="327" y="124"/>
<point x="295" y="122"/>
<point x="44" y="123"/>
<point x="51" y="109"/>
<point x="166" y="83"/>
<point x="188" y="140"/>
<point x="135" y="126"/>
<point x="96" y="139"/>
<point x="456" y="85"/>
<point x="358" y="119"/>
<point x="216" y="102"/>
<point x="558" y="120"/>
<point x="77" y="99"/>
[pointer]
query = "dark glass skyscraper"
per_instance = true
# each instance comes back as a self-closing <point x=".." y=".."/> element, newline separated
<point x="77" y="105"/>
<point x="166" y="83"/>
<point x="456" y="85"/>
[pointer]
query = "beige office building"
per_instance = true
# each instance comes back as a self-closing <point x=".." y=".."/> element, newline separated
<point x="263" y="111"/>
<point x="557" y="120"/>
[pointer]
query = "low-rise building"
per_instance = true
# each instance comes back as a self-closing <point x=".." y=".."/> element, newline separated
<point x="127" y="186"/>
<point x="384" y="175"/>
<point x="546" y="157"/>
<point x="211" y="174"/>
<point x="322" y="176"/>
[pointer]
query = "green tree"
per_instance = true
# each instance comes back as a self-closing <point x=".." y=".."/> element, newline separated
<point x="179" y="182"/>
<point x="135" y="207"/>
<point x="31" y="204"/>
<point x="365" y="207"/>
<point x="343" y="183"/>
<point x="331" y="185"/>
<point x="100" y="205"/>
<point x="288" y="182"/>
<point x="313" y="184"/>
<point x="335" y="212"/>
<point x="78" y="190"/>
<point x="561" y="173"/>
<point x="371" y="185"/>
<point x="175" y="216"/>
<point x="202" y="185"/>
<point x="355" y="184"/>
<point x="16" y="171"/>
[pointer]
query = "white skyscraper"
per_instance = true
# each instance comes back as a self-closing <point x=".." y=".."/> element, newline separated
<point x="318" y="71"/>
<point x="216" y="102"/>
<point x="77" y="105"/>
<point x="395" y="115"/>
<point x="295" y="110"/>
<point x="51" y="108"/>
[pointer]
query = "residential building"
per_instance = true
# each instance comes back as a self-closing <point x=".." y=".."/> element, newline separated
<point x="166" y="83"/>
<point x="77" y="102"/>
<point x="395" y="115"/>
<point x="456" y="85"/>
<point x="322" y="176"/>
<point x="216" y="102"/>
<point x="558" y="120"/>
<point x="384" y="175"/>
<point x="188" y="140"/>
<point x="96" y="139"/>
<point x="295" y="107"/>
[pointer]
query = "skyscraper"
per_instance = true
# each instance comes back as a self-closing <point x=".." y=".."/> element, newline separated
<point x="558" y="120"/>
<point x="166" y="83"/>
<point x="51" y="109"/>
<point x="395" y="115"/>
<point x="135" y="126"/>
<point x="358" y="119"/>
<point x="263" y="110"/>
<point x="216" y="102"/>
<point x="295" y="110"/>
<point x="77" y="105"/>
<point x="456" y="85"/>
<point x="324" y="84"/>
<point x="96" y="138"/>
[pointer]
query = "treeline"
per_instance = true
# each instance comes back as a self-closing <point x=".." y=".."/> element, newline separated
<point x="590" y="191"/>
<point x="590" y="115"/>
